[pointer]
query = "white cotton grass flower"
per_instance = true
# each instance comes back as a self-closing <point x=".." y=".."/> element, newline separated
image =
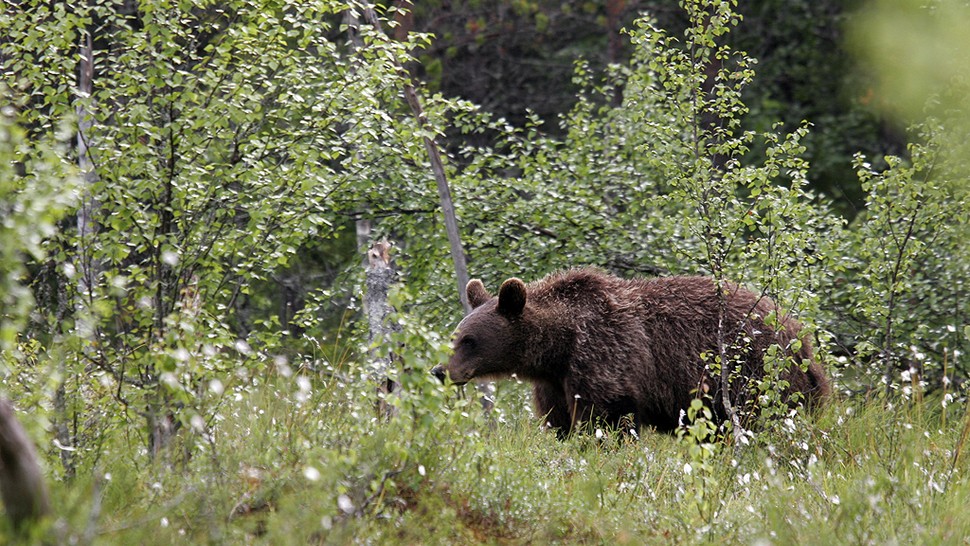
<point x="303" y="388"/>
<point x="303" y="383"/>
<point x="282" y="366"/>
<point x="311" y="474"/>
<point x="216" y="387"/>
<point x="345" y="504"/>
<point x="947" y="398"/>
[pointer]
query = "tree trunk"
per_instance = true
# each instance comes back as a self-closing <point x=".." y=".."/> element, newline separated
<point x="363" y="225"/>
<point x="86" y="225"/>
<point x="380" y="275"/>
<point x="161" y="426"/>
<point x="21" y="480"/>
<point x="86" y="265"/>
<point x="614" y="23"/>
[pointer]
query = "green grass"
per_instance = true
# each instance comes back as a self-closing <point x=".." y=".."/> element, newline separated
<point x="285" y="466"/>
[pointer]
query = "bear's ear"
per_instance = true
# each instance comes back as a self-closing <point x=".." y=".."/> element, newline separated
<point x="511" y="298"/>
<point x="477" y="295"/>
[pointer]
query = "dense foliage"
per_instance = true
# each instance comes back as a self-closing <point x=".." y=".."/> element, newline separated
<point x="174" y="376"/>
<point x="512" y="57"/>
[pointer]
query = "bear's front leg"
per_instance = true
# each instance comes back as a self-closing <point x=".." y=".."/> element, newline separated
<point x="550" y="404"/>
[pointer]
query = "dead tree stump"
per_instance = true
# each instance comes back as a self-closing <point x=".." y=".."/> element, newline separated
<point x="379" y="276"/>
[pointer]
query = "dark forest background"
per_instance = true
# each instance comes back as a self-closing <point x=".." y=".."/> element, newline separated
<point x="512" y="57"/>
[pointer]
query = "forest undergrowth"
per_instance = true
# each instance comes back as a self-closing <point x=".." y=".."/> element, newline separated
<point x="294" y="461"/>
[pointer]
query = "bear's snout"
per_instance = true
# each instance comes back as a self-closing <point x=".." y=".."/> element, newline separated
<point x="439" y="372"/>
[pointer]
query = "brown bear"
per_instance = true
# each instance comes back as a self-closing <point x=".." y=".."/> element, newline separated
<point x="598" y="348"/>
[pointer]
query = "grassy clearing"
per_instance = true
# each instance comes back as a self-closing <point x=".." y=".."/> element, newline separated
<point x="286" y="464"/>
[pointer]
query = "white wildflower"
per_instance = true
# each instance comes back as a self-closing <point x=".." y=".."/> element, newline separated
<point x="282" y="366"/>
<point x="345" y="504"/>
<point x="303" y="383"/>
<point x="216" y="387"/>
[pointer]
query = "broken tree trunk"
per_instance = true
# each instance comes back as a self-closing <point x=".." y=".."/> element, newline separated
<point x="379" y="276"/>
<point x="21" y="480"/>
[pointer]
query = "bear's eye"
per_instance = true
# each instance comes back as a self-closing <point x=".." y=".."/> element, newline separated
<point x="468" y="342"/>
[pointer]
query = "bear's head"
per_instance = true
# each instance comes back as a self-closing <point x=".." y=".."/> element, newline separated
<point x="491" y="341"/>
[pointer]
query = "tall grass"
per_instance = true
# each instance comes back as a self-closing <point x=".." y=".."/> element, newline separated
<point x="288" y="463"/>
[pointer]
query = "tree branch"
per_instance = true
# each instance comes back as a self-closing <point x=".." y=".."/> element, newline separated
<point x="441" y="179"/>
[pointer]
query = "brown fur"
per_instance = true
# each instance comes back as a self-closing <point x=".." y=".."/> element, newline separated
<point x="600" y="347"/>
